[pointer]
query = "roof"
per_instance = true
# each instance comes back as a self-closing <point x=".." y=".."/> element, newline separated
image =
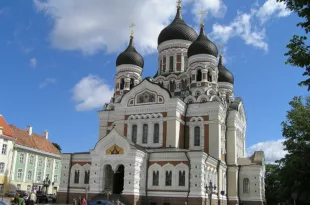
<point x="224" y="74"/>
<point x="33" y="141"/>
<point x="6" y="128"/>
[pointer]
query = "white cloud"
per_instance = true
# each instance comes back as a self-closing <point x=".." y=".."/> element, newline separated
<point x="272" y="8"/>
<point x="33" y="62"/>
<point x="273" y="150"/>
<point x="92" y="26"/>
<point x="91" y="92"/>
<point x="47" y="81"/>
<point x="214" y="7"/>
<point x="246" y="26"/>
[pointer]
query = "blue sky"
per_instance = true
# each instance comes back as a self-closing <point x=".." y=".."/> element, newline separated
<point x="58" y="60"/>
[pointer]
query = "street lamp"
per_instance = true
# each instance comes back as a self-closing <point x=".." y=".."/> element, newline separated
<point x="209" y="190"/>
<point x="86" y="190"/>
<point x="222" y="193"/>
<point x="46" y="183"/>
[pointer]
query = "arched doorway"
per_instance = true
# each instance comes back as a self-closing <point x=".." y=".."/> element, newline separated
<point x="118" y="180"/>
<point x="108" y="177"/>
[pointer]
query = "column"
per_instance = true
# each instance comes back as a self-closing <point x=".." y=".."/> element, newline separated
<point x="150" y="133"/>
<point x="35" y="169"/>
<point x="53" y="173"/>
<point x="13" y="167"/>
<point x="26" y="166"/>
<point x="44" y="172"/>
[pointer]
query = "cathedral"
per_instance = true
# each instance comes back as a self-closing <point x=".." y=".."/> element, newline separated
<point x="172" y="139"/>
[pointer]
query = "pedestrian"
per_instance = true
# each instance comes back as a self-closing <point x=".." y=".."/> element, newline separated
<point x="33" y="198"/>
<point x="80" y="200"/>
<point x="84" y="201"/>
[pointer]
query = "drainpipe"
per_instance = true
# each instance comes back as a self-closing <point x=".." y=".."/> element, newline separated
<point x="207" y="182"/>
<point x="184" y="129"/>
<point x="238" y="184"/>
<point x="218" y="181"/>
<point x="68" y="187"/>
<point x="189" y="175"/>
<point x="146" y="178"/>
<point x="226" y="133"/>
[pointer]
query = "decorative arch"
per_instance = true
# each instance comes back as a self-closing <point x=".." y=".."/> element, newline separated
<point x="215" y="98"/>
<point x="167" y="176"/>
<point x="154" y="173"/>
<point x="181" y="175"/>
<point x="196" y="137"/>
<point x="203" y="98"/>
<point x="190" y="98"/>
<point x="211" y="91"/>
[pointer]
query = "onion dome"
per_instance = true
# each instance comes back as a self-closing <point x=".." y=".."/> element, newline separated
<point x="224" y="74"/>
<point x="178" y="29"/>
<point x="130" y="56"/>
<point x="202" y="45"/>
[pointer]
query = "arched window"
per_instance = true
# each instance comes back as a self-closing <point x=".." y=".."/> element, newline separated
<point x="156" y="133"/>
<point x="132" y="83"/>
<point x="134" y="134"/>
<point x="86" y="177"/>
<point x="122" y="84"/>
<point x="144" y="134"/>
<point x="197" y="136"/>
<point x="209" y="77"/>
<point x="168" y="181"/>
<point x="172" y="86"/>
<point x="181" y="178"/>
<point x="155" y="178"/>
<point x="171" y="64"/>
<point x="199" y="75"/>
<point x="246" y="186"/>
<point x="76" y="176"/>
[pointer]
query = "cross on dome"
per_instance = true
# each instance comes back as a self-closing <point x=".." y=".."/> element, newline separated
<point x="179" y="4"/>
<point x="132" y="27"/>
<point x="202" y="17"/>
<point x="220" y="45"/>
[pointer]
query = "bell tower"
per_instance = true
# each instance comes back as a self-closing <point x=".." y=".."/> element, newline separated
<point x="129" y="68"/>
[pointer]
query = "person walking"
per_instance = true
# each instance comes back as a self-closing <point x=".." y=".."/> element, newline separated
<point x="33" y="198"/>
<point x="84" y="201"/>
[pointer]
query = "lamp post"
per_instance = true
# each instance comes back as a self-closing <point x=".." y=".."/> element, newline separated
<point x="46" y="183"/>
<point x="209" y="190"/>
<point x="294" y="196"/>
<point x="222" y="193"/>
<point x="86" y="191"/>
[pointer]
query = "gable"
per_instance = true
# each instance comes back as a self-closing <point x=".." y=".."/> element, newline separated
<point x="146" y="93"/>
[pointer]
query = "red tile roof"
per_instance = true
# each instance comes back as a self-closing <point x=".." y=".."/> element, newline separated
<point x="6" y="128"/>
<point x="34" y="140"/>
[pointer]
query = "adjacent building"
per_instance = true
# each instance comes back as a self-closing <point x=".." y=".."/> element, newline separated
<point x="35" y="159"/>
<point x="164" y="139"/>
<point x="7" y="141"/>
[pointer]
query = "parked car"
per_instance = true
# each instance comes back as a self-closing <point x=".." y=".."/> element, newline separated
<point x="102" y="202"/>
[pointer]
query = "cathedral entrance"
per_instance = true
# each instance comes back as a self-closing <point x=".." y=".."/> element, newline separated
<point x="118" y="180"/>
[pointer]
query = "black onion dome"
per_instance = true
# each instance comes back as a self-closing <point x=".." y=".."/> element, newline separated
<point x="224" y="74"/>
<point x="130" y="56"/>
<point x="178" y="29"/>
<point x="202" y="46"/>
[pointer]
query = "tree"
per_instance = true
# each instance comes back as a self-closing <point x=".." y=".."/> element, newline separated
<point x="57" y="146"/>
<point x="294" y="172"/>
<point x="299" y="51"/>
<point x="272" y="184"/>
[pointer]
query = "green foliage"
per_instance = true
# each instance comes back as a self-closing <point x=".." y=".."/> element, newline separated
<point x="299" y="51"/>
<point x="294" y="172"/>
<point x="57" y="146"/>
<point x="272" y="184"/>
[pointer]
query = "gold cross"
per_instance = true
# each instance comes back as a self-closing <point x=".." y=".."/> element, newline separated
<point x="179" y="3"/>
<point x="202" y="18"/>
<point x="132" y="26"/>
<point x="220" y="46"/>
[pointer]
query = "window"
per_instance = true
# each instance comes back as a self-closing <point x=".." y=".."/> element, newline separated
<point x="209" y="77"/>
<point x="39" y="176"/>
<point x="76" y="176"/>
<point x="18" y="186"/>
<point x="122" y="84"/>
<point x="2" y="167"/>
<point x="246" y="186"/>
<point x="172" y="86"/>
<point x="22" y="158"/>
<point x="171" y="64"/>
<point x="168" y="181"/>
<point x="19" y="173"/>
<point x="40" y="161"/>
<point x="132" y="83"/>
<point x="181" y="178"/>
<point x="55" y="178"/>
<point x="49" y="162"/>
<point x="86" y="177"/>
<point x="179" y="62"/>
<point x="29" y="176"/>
<point x="183" y="84"/>
<point x="4" y="148"/>
<point x="198" y="76"/>
<point x="31" y="159"/>
<point x="164" y="64"/>
<point x="155" y="178"/>
<point x="197" y="136"/>
<point x="144" y="134"/>
<point x="134" y="134"/>
<point x="57" y="165"/>
<point x="156" y="133"/>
